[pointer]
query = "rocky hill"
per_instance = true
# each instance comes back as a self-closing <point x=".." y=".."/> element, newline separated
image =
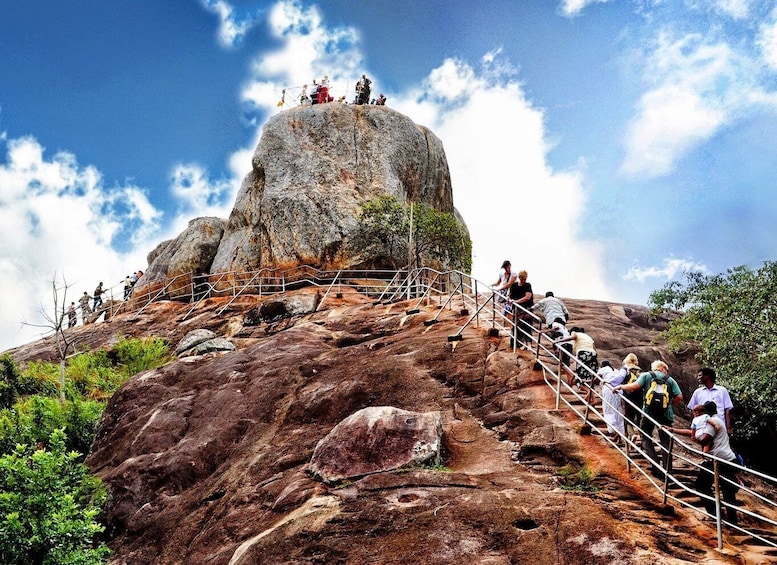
<point x="338" y="431"/>
<point x="312" y="170"/>
<point x="208" y="459"/>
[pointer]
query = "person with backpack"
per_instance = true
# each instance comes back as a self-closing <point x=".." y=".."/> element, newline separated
<point x="661" y="392"/>
<point x="632" y="401"/>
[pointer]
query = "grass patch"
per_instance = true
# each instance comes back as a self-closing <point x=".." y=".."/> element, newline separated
<point x="577" y="479"/>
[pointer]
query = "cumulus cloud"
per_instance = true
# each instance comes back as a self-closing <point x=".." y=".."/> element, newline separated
<point x="190" y="183"/>
<point x="515" y="205"/>
<point x="698" y="86"/>
<point x="671" y="269"/>
<point x="575" y="7"/>
<point x="58" y="220"/>
<point x="767" y="41"/>
<point x="232" y="28"/>
<point x="309" y="50"/>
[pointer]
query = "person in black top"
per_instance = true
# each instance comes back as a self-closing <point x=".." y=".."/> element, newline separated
<point x="521" y="299"/>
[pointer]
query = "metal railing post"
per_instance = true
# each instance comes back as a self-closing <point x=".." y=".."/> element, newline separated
<point x="718" y="517"/>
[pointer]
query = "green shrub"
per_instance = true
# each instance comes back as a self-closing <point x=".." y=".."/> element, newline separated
<point x="9" y="381"/>
<point x="139" y="354"/>
<point x="41" y="378"/>
<point x="92" y="375"/>
<point x="33" y="420"/>
<point x="48" y="507"/>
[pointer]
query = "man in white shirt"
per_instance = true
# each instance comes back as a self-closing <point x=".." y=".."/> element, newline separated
<point x="716" y="437"/>
<point x="714" y="392"/>
<point x="553" y="309"/>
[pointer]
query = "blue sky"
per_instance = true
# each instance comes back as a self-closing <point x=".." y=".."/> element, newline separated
<point x="605" y="146"/>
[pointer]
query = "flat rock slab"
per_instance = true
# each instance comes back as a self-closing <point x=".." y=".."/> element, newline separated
<point x="377" y="439"/>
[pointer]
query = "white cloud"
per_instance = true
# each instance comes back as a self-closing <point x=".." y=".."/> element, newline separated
<point x="231" y="29"/>
<point x="767" y="41"/>
<point x="309" y="50"/>
<point x="57" y="217"/>
<point x="574" y="7"/>
<point x="698" y="87"/>
<point x="516" y="207"/>
<point x="734" y="9"/>
<point x="671" y="269"/>
<point x="197" y="193"/>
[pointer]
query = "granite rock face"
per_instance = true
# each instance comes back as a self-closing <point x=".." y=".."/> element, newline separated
<point x="208" y="458"/>
<point x="192" y="251"/>
<point x="377" y="439"/>
<point x="313" y="168"/>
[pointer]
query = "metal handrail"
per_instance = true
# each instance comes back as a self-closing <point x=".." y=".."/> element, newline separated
<point x="553" y="380"/>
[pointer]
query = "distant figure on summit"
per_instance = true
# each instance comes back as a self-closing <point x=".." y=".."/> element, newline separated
<point x="71" y="315"/>
<point x="83" y="302"/>
<point x="363" y="91"/>
<point x="127" y="287"/>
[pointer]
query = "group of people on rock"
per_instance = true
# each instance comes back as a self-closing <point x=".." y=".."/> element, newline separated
<point x="97" y="299"/>
<point x="319" y="93"/>
<point x="635" y="402"/>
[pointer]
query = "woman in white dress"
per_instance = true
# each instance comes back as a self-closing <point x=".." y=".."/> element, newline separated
<point x="611" y="401"/>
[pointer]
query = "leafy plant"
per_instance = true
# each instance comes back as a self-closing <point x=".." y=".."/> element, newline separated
<point x="33" y="420"/>
<point x="731" y="318"/>
<point x="438" y="238"/>
<point x="49" y="505"/>
<point x="9" y="381"/>
<point x="139" y="354"/>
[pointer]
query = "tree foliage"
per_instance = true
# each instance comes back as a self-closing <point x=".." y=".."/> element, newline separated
<point x="49" y="505"/>
<point x="48" y="501"/>
<point x="439" y="240"/>
<point x="731" y="318"/>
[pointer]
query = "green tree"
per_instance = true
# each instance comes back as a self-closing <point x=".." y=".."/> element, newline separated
<point x="438" y="239"/>
<point x="48" y="507"/>
<point x="9" y="381"/>
<point x="731" y="319"/>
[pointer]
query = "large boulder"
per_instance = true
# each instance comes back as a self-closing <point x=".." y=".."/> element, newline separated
<point x="377" y="439"/>
<point x="192" y="251"/>
<point x="313" y="169"/>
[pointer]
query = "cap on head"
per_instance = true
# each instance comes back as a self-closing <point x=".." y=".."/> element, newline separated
<point x="549" y="294"/>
